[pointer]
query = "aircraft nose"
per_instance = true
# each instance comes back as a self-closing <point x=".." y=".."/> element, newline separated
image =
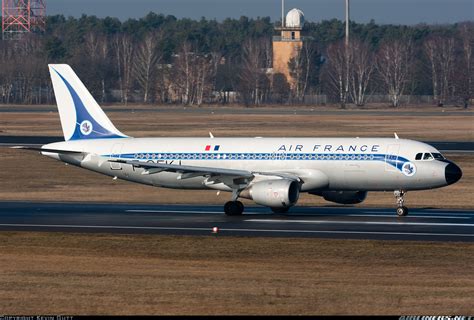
<point x="452" y="173"/>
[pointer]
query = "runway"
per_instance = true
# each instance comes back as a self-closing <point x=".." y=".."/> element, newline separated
<point x="317" y="222"/>
<point x="443" y="146"/>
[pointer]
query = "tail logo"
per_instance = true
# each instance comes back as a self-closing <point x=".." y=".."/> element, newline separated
<point x="86" y="127"/>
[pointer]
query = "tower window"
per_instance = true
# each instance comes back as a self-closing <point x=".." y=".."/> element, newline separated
<point x="292" y="35"/>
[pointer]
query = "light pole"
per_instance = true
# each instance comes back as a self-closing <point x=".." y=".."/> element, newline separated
<point x="347" y="55"/>
<point x="282" y="13"/>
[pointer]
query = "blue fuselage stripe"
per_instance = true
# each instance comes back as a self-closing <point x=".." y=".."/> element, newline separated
<point x="393" y="160"/>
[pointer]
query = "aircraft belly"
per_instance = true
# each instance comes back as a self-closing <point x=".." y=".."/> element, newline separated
<point x="171" y="180"/>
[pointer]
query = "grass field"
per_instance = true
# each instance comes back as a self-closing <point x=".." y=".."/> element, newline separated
<point x="459" y="127"/>
<point x="56" y="273"/>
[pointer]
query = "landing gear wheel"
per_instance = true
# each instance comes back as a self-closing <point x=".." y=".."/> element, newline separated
<point x="233" y="208"/>
<point x="280" y="210"/>
<point x="402" y="211"/>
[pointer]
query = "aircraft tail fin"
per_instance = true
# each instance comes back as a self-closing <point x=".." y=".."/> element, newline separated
<point x="81" y="116"/>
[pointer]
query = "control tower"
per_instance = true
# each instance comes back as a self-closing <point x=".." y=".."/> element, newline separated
<point x="289" y="43"/>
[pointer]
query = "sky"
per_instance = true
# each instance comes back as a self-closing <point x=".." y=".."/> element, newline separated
<point x="382" y="11"/>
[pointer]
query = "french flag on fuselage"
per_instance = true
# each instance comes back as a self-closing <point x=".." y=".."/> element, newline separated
<point x="209" y="147"/>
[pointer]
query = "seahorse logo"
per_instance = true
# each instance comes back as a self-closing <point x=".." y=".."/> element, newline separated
<point x="86" y="127"/>
<point x="408" y="169"/>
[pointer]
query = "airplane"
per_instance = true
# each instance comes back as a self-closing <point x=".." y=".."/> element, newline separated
<point x="272" y="172"/>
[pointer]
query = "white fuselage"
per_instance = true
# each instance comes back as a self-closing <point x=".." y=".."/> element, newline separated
<point x="365" y="164"/>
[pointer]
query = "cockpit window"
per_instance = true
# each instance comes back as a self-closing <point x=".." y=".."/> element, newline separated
<point x="427" y="156"/>
<point x="438" y="156"/>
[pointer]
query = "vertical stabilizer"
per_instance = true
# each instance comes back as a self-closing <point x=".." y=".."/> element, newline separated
<point x="81" y="116"/>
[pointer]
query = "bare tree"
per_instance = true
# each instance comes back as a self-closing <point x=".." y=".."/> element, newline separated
<point x="183" y="69"/>
<point x="193" y="74"/>
<point x="467" y="39"/>
<point x="124" y="51"/>
<point x="394" y="63"/>
<point x="146" y="63"/>
<point x="253" y="81"/>
<point x="300" y="68"/>
<point x="104" y="48"/>
<point x="280" y="87"/>
<point x="361" y="70"/>
<point x="206" y="73"/>
<point x="440" y="52"/>
<point x="96" y="57"/>
<point x="163" y="84"/>
<point x="336" y="66"/>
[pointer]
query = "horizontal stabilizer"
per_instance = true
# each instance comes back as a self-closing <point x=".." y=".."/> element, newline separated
<point x="47" y="150"/>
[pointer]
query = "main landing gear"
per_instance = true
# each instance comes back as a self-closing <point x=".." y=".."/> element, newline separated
<point x="234" y="208"/>
<point x="401" y="209"/>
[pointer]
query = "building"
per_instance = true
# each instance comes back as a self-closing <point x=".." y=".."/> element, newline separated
<point x="289" y="43"/>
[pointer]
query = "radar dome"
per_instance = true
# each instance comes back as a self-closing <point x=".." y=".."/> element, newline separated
<point x="295" y="18"/>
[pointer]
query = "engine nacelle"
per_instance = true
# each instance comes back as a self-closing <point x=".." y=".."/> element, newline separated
<point x="279" y="193"/>
<point x="343" y="197"/>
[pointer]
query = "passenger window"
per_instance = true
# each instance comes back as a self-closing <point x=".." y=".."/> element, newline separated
<point x="418" y="156"/>
<point x="427" y="156"/>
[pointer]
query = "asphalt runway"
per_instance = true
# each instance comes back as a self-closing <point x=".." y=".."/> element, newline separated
<point x="443" y="146"/>
<point x="316" y="222"/>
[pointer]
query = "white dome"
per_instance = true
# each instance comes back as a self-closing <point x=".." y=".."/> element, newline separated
<point x="294" y="18"/>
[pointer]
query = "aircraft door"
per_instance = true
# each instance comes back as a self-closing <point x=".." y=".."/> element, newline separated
<point x="115" y="154"/>
<point x="391" y="157"/>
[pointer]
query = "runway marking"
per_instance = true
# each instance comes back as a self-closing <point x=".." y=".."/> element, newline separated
<point x="170" y="211"/>
<point x="185" y="211"/>
<point x="240" y="230"/>
<point x="467" y="213"/>
<point x="364" y="222"/>
<point x="295" y="213"/>
<point x="409" y="216"/>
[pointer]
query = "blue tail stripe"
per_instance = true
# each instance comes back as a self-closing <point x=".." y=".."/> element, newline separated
<point x="91" y="129"/>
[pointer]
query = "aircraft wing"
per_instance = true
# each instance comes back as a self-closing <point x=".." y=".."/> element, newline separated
<point x="150" y="168"/>
<point x="235" y="179"/>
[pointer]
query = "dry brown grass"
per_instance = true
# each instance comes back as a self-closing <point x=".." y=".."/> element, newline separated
<point x="447" y="127"/>
<point x="56" y="273"/>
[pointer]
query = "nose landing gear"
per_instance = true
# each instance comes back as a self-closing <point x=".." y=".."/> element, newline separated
<point x="401" y="209"/>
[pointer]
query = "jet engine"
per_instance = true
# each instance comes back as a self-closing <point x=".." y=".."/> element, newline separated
<point x="343" y="197"/>
<point x="278" y="193"/>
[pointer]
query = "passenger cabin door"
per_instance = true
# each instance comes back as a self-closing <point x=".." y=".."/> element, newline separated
<point x="391" y="157"/>
<point x="115" y="154"/>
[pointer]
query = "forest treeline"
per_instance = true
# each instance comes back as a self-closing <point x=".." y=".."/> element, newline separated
<point x="164" y="60"/>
